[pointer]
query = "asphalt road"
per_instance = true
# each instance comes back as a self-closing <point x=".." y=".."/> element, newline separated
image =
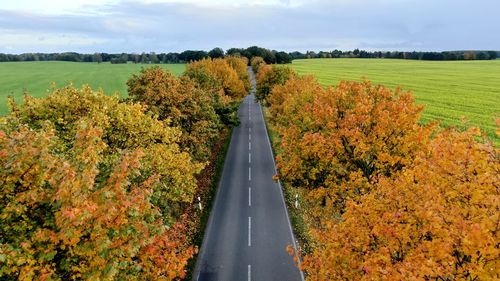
<point x="249" y="228"/>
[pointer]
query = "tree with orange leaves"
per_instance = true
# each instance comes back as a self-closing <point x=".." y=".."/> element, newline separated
<point x="337" y="141"/>
<point x="438" y="220"/>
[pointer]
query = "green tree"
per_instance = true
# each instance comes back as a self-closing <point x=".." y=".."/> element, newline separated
<point x="216" y="53"/>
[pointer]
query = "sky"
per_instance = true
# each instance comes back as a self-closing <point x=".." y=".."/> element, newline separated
<point x="116" y="26"/>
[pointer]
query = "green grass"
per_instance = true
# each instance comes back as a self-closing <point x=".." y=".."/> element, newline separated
<point x="450" y="90"/>
<point x="36" y="77"/>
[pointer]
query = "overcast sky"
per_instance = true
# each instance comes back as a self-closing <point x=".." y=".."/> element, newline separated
<point x="175" y="25"/>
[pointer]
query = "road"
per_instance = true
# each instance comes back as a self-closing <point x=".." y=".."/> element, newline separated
<point x="249" y="228"/>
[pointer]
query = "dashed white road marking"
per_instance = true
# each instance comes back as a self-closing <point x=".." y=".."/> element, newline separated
<point x="249" y="231"/>
<point x="249" y="272"/>
<point x="249" y="196"/>
<point x="249" y="158"/>
<point x="249" y="173"/>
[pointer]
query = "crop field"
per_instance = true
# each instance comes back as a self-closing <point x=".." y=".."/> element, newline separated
<point x="452" y="91"/>
<point x="36" y="77"/>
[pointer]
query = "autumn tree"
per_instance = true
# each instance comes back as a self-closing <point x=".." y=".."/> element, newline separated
<point x="438" y="220"/>
<point x="340" y="139"/>
<point x="224" y="106"/>
<point x="226" y="80"/>
<point x="256" y="63"/>
<point x="240" y="65"/>
<point x="270" y="76"/>
<point x="63" y="220"/>
<point x="124" y="126"/>
<point x="226" y="76"/>
<point x="180" y="103"/>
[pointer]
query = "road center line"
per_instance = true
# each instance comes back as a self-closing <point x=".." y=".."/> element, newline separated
<point x="249" y="145"/>
<point x="249" y="231"/>
<point x="249" y="173"/>
<point x="249" y="272"/>
<point x="249" y="158"/>
<point x="249" y="196"/>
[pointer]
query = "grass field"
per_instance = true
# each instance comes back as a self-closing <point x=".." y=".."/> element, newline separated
<point x="37" y="77"/>
<point x="450" y="90"/>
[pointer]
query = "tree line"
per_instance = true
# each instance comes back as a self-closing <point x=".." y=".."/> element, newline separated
<point x="356" y="53"/>
<point x="94" y="187"/>
<point x="269" y="56"/>
<point x="381" y="196"/>
<point x="152" y="57"/>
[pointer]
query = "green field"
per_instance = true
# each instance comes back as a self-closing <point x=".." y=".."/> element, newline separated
<point x="37" y="77"/>
<point x="450" y="90"/>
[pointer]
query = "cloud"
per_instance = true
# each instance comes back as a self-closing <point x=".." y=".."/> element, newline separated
<point x="162" y="26"/>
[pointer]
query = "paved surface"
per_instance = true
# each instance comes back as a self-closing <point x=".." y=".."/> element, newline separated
<point x="249" y="229"/>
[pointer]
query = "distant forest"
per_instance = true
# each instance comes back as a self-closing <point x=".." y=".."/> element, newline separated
<point x="270" y="56"/>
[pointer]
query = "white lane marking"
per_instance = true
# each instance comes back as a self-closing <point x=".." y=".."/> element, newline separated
<point x="249" y="173"/>
<point x="249" y="158"/>
<point x="249" y="272"/>
<point x="249" y="130"/>
<point x="249" y="145"/>
<point x="249" y="231"/>
<point x="283" y="198"/>
<point x="249" y="196"/>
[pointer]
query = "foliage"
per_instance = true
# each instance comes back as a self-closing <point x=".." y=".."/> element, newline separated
<point x="224" y="106"/>
<point x="340" y="140"/>
<point x="216" y="53"/>
<point x="223" y="72"/>
<point x="226" y="80"/>
<point x="179" y="102"/>
<point x="124" y="127"/>
<point x="437" y="221"/>
<point x="269" y="77"/>
<point x="256" y="63"/>
<point x="241" y="67"/>
<point x="61" y="221"/>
